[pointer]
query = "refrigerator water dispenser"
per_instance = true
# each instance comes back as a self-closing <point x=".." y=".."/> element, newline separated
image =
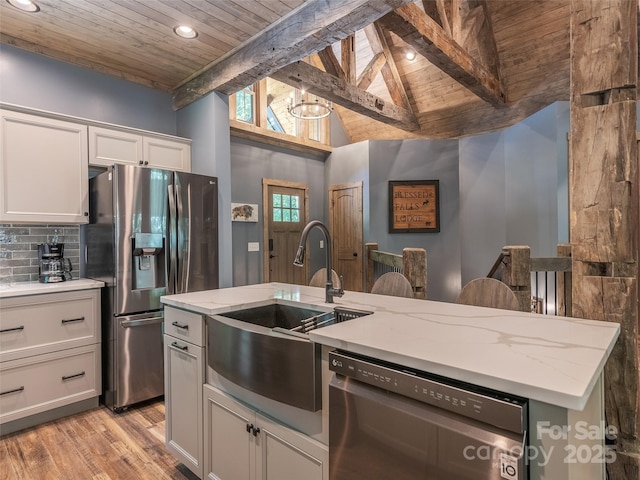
<point x="148" y="260"/>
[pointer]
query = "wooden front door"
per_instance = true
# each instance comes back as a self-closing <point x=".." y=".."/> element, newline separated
<point x="285" y="215"/>
<point x="345" y="223"/>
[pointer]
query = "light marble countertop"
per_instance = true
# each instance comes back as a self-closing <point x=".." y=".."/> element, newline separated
<point x="551" y="359"/>
<point x="22" y="289"/>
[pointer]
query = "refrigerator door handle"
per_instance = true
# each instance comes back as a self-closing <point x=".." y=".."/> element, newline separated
<point x="141" y="322"/>
<point x="184" y="237"/>
<point x="173" y="259"/>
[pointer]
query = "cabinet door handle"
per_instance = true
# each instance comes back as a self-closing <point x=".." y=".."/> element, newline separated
<point x="69" y="377"/>
<point x="71" y="320"/>
<point x="177" y="325"/>
<point x="176" y="345"/>
<point x="15" y="390"/>
<point x="14" y="329"/>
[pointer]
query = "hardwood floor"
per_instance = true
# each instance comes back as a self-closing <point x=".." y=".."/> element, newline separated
<point x="97" y="444"/>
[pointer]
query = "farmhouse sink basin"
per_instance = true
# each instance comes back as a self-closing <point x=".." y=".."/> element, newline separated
<point x="282" y="316"/>
<point x="266" y="350"/>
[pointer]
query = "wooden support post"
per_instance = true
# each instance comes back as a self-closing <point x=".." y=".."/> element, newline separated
<point x="564" y="284"/>
<point x="414" y="268"/>
<point x="368" y="281"/>
<point x="517" y="273"/>
<point x="604" y="201"/>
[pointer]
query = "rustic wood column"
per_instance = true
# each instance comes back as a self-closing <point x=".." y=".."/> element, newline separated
<point x="604" y="200"/>
<point x="517" y="273"/>
<point x="414" y="268"/>
<point x="564" y="284"/>
<point x="369" y="271"/>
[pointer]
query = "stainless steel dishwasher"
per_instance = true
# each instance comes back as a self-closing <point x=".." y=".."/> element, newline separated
<point x="390" y="422"/>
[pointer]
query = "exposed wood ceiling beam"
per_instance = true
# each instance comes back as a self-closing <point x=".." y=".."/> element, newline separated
<point x="304" y="76"/>
<point x="330" y="62"/>
<point x="348" y="54"/>
<point x="430" y="40"/>
<point x="370" y="71"/>
<point x="390" y="73"/>
<point x="487" y="47"/>
<point x="436" y="10"/>
<point x="311" y="27"/>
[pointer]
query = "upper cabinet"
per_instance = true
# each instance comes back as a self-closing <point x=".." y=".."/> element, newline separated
<point x="44" y="170"/>
<point x="109" y="146"/>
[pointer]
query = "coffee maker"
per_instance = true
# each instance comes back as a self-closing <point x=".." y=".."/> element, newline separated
<point x="53" y="267"/>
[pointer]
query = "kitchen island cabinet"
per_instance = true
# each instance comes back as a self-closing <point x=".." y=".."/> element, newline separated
<point x="183" y="380"/>
<point x="242" y="444"/>
<point x="44" y="170"/>
<point x="50" y="362"/>
<point x="554" y="362"/>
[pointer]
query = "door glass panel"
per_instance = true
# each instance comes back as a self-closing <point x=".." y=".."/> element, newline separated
<point x="286" y="208"/>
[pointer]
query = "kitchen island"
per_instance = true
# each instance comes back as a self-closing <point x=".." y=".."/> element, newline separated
<point x="554" y="362"/>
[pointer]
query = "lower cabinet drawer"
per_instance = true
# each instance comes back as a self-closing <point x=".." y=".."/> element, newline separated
<point x="183" y="325"/>
<point x="38" y="324"/>
<point x="42" y="382"/>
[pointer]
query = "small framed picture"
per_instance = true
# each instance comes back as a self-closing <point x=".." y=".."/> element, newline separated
<point x="414" y="206"/>
<point x="244" y="212"/>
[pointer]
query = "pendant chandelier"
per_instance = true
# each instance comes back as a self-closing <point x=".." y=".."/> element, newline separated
<point x="306" y="106"/>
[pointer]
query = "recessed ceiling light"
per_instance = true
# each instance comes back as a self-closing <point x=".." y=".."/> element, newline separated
<point x="25" y="5"/>
<point x="410" y="54"/>
<point x="185" y="31"/>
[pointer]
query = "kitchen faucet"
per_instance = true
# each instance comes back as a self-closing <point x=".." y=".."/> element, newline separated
<point x="330" y="291"/>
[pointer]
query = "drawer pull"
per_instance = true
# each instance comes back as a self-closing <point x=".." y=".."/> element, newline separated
<point x="176" y="345"/>
<point x="15" y="390"/>
<point x="70" y="320"/>
<point x="69" y="377"/>
<point x="14" y="329"/>
<point x="177" y="325"/>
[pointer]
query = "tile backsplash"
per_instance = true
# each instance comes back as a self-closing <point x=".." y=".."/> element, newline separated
<point x="19" y="249"/>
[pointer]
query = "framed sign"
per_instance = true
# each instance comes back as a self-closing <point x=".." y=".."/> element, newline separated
<point x="414" y="206"/>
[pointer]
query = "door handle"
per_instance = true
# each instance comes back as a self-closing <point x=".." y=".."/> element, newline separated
<point x="143" y="321"/>
<point x="180" y="347"/>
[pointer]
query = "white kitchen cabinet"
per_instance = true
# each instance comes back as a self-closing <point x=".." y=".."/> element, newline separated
<point x="242" y="444"/>
<point x="44" y="170"/>
<point x="49" y="355"/>
<point x="183" y="379"/>
<point x="168" y="154"/>
<point x="108" y="146"/>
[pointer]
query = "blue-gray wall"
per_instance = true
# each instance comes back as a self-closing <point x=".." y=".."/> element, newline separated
<point x="36" y="81"/>
<point x="483" y="207"/>
<point x="251" y="162"/>
<point x="513" y="190"/>
<point x="419" y="160"/>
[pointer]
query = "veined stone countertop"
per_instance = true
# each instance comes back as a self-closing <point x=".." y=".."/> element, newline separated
<point x="551" y="359"/>
<point x="35" y="288"/>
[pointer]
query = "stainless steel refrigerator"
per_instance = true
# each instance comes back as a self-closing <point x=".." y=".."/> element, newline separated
<point x="151" y="233"/>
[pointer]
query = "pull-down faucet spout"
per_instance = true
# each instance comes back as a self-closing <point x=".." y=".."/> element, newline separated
<point x="330" y="290"/>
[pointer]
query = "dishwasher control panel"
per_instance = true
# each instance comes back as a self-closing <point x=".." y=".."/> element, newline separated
<point x="471" y="401"/>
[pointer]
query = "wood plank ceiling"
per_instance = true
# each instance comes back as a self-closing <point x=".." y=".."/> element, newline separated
<point x="480" y="65"/>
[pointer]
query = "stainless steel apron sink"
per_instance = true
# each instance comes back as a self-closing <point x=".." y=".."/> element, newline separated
<point x="266" y="350"/>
